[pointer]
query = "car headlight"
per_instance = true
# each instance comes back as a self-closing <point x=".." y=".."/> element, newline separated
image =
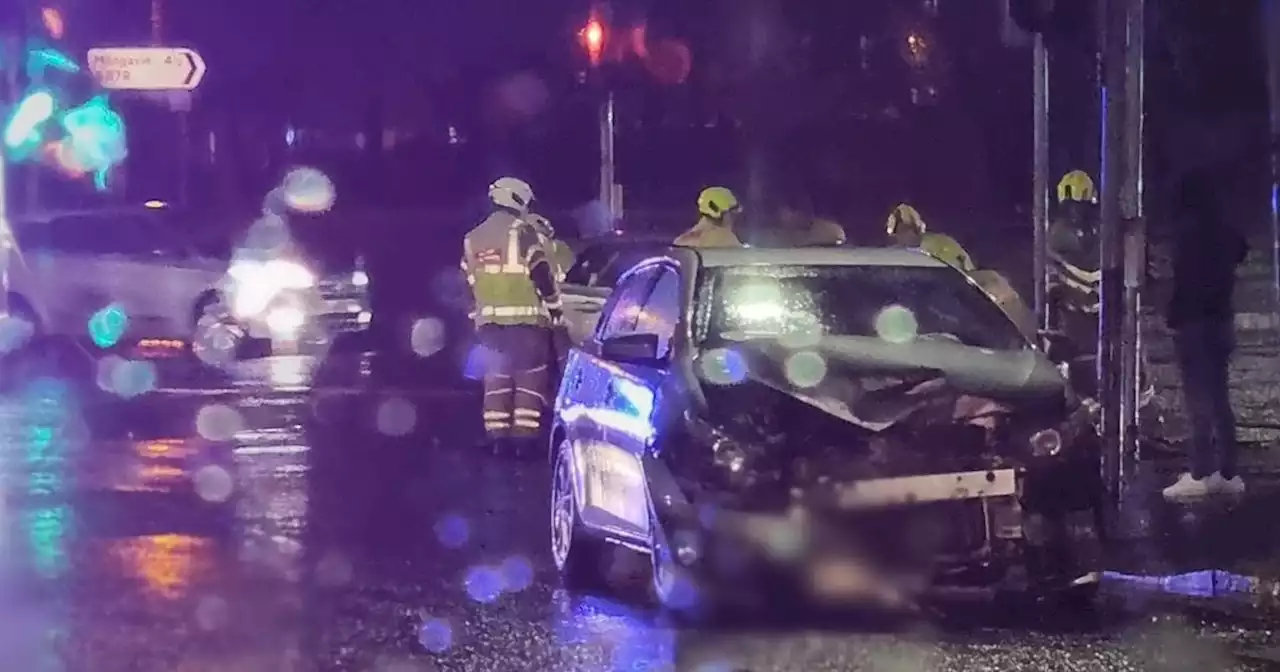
<point x="289" y="275"/>
<point x="1046" y="443"/>
<point x="360" y="279"/>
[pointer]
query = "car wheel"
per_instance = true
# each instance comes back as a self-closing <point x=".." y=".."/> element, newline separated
<point x="674" y="589"/>
<point x="577" y="555"/>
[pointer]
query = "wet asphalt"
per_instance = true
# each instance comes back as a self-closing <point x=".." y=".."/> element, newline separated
<point x="353" y="529"/>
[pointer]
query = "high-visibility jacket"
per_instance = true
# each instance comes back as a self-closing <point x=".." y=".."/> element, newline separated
<point x="499" y="257"/>
<point x="947" y="249"/>
<point x="563" y="257"/>
<point x="708" y="233"/>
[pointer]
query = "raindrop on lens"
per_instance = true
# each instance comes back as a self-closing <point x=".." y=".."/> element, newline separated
<point x="805" y="369"/>
<point x="218" y="422"/>
<point x="213" y="484"/>
<point x="484" y="584"/>
<point x="453" y="531"/>
<point x="435" y="635"/>
<point x="896" y="324"/>
<point x="427" y="337"/>
<point x="308" y="190"/>
<point x="396" y="417"/>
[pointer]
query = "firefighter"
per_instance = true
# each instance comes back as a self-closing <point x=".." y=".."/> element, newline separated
<point x="800" y="227"/>
<point x="906" y="228"/>
<point x="517" y="301"/>
<point x="1075" y="274"/>
<point x="562" y="259"/>
<point x="718" y="211"/>
<point x="561" y="254"/>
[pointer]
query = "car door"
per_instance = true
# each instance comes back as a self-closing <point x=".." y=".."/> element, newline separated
<point x="582" y="294"/>
<point x="590" y="281"/>
<point x="178" y="276"/>
<point x="81" y="271"/>
<point x="589" y="410"/>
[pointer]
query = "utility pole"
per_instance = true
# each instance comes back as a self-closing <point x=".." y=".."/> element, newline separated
<point x="1111" y="62"/>
<point x="1271" y="24"/>
<point x="1135" y="241"/>
<point x="1040" y="178"/>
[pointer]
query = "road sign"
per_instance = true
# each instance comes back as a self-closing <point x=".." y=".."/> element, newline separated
<point x="147" y="68"/>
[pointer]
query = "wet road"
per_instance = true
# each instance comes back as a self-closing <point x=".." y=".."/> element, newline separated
<point x="355" y="531"/>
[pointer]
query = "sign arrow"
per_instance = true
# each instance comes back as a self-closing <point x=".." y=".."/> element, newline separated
<point x="197" y="69"/>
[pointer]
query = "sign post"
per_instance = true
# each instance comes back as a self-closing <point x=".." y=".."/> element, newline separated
<point x="147" y="68"/>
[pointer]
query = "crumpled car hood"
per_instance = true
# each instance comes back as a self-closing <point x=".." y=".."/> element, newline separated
<point x="875" y="384"/>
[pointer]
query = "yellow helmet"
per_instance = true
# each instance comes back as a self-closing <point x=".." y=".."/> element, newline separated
<point x="1076" y="186"/>
<point x="714" y="202"/>
<point x="904" y="216"/>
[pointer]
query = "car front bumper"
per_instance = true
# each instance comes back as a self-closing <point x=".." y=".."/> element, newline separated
<point x="888" y="542"/>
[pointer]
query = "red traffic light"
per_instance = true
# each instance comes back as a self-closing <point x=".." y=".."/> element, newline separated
<point x="592" y="36"/>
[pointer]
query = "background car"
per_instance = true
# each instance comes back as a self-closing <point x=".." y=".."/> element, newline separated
<point x="848" y="424"/>
<point x="70" y="265"/>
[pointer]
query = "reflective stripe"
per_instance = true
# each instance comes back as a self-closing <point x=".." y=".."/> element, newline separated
<point x="528" y="424"/>
<point x="514" y="261"/>
<point x="533" y="393"/>
<point x="511" y="311"/>
<point x="496" y="415"/>
<point x="504" y="269"/>
<point x="527" y="413"/>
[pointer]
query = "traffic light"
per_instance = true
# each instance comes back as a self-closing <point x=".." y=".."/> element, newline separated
<point x="592" y="37"/>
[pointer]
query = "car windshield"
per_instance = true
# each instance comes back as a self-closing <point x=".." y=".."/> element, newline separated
<point x="896" y="303"/>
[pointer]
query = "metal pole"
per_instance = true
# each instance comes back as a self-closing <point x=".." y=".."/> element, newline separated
<point x="608" y="175"/>
<point x="1271" y="25"/>
<point x="1111" y="241"/>
<point x="1135" y="240"/>
<point x="1040" y="179"/>
<point x="10" y="49"/>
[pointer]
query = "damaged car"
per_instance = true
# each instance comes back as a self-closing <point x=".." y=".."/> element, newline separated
<point x="844" y="426"/>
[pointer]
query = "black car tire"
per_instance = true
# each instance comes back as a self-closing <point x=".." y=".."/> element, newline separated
<point x="577" y="555"/>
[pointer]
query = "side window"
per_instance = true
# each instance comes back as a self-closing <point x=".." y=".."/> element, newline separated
<point x="661" y="311"/>
<point x="622" y="311"/>
<point x="96" y="235"/>
<point x="589" y="265"/>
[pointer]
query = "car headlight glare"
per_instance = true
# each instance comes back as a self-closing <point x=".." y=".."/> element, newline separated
<point x="360" y="279"/>
<point x="290" y="275"/>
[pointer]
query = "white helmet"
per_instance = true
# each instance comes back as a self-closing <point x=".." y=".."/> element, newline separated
<point x="509" y="192"/>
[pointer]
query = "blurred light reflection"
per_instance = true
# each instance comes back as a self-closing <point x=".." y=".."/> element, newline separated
<point x="167" y="564"/>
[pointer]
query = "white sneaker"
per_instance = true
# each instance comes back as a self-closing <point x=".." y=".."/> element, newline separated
<point x="1218" y="485"/>
<point x="1188" y="488"/>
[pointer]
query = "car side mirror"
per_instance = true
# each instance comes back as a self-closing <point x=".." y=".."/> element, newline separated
<point x="631" y="348"/>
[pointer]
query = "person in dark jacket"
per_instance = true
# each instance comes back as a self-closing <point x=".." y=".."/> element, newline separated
<point x="1206" y="251"/>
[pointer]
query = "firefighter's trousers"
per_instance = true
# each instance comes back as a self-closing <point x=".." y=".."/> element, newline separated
<point x="517" y="374"/>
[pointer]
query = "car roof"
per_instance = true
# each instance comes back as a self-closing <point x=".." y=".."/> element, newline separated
<point x="715" y="257"/>
<point x="45" y="216"/>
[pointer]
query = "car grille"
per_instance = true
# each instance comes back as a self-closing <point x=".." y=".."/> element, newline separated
<point x="935" y="530"/>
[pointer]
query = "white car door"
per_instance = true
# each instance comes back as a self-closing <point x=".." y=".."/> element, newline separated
<point x="166" y="278"/>
<point x="78" y="273"/>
